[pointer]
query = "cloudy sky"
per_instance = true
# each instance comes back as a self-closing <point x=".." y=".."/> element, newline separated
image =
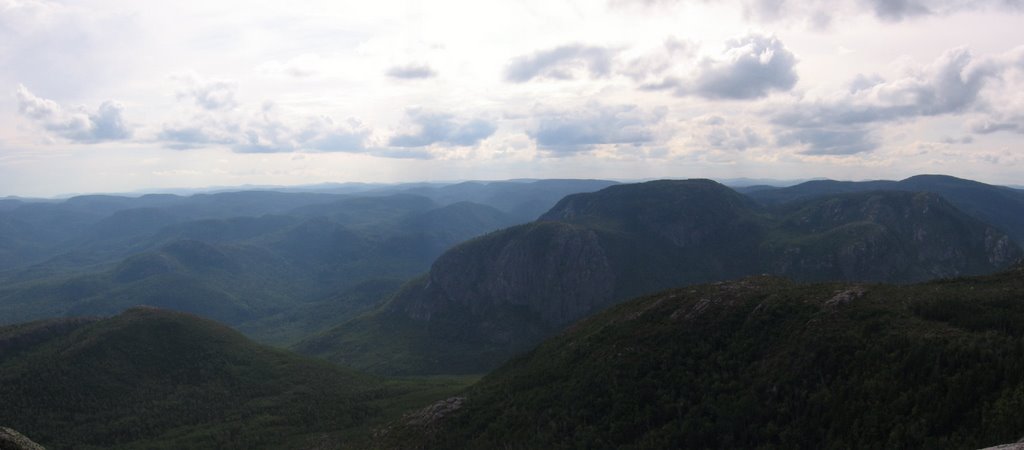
<point x="113" y="96"/>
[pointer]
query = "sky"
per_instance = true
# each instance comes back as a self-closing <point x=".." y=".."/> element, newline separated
<point x="117" y="96"/>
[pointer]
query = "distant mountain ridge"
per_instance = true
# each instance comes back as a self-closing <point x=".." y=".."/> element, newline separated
<point x="504" y="292"/>
<point x="997" y="205"/>
<point x="101" y="228"/>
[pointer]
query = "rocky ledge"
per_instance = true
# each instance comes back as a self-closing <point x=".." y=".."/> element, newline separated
<point x="13" y="440"/>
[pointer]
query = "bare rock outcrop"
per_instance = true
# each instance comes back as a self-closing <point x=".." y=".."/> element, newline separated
<point x="13" y="440"/>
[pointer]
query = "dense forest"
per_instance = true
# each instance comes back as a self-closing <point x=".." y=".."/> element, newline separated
<point x="763" y="363"/>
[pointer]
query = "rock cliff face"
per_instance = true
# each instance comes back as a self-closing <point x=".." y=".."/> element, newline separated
<point x="559" y="272"/>
<point x="13" y="440"/>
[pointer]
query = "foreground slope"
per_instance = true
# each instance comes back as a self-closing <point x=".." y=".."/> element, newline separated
<point x="764" y="363"/>
<point x="492" y="297"/>
<point x="153" y="378"/>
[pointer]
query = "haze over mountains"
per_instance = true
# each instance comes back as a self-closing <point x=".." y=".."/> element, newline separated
<point x="460" y="279"/>
<point x="241" y="256"/>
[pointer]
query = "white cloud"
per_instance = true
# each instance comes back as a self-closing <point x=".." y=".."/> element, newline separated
<point x="841" y="124"/>
<point x="719" y="134"/>
<point x="208" y="94"/>
<point x="750" y="67"/>
<point x="439" y="128"/>
<point x="561" y="63"/>
<point x="566" y="132"/>
<point x="79" y="124"/>
<point x="267" y="132"/>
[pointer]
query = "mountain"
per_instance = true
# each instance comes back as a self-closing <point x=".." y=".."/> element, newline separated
<point x="882" y="236"/>
<point x="760" y="363"/>
<point x="151" y="378"/>
<point x="500" y="294"/>
<point x="1000" y="206"/>
<point x="151" y="374"/>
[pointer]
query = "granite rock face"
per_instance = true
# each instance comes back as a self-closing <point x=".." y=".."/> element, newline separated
<point x="13" y="440"/>
<point x="557" y="271"/>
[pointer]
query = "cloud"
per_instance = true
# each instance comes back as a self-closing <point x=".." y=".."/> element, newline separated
<point x="411" y="72"/>
<point x="267" y="132"/>
<point x="751" y="67"/>
<point x="105" y="124"/>
<point x="864" y="82"/>
<point x="568" y="132"/>
<point x="949" y="85"/>
<point x="561" y="63"/>
<point x="825" y="141"/>
<point x="720" y="135"/>
<point x="955" y="141"/>
<point x="207" y="94"/>
<point x="897" y="10"/>
<point x="819" y="14"/>
<point x="656" y="64"/>
<point x="183" y="137"/>
<point x="439" y="128"/>
<point x="988" y="126"/>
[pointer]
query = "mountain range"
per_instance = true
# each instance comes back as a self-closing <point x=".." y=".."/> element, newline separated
<point x="665" y="314"/>
<point x="250" y="259"/>
<point x="492" y="297"/>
